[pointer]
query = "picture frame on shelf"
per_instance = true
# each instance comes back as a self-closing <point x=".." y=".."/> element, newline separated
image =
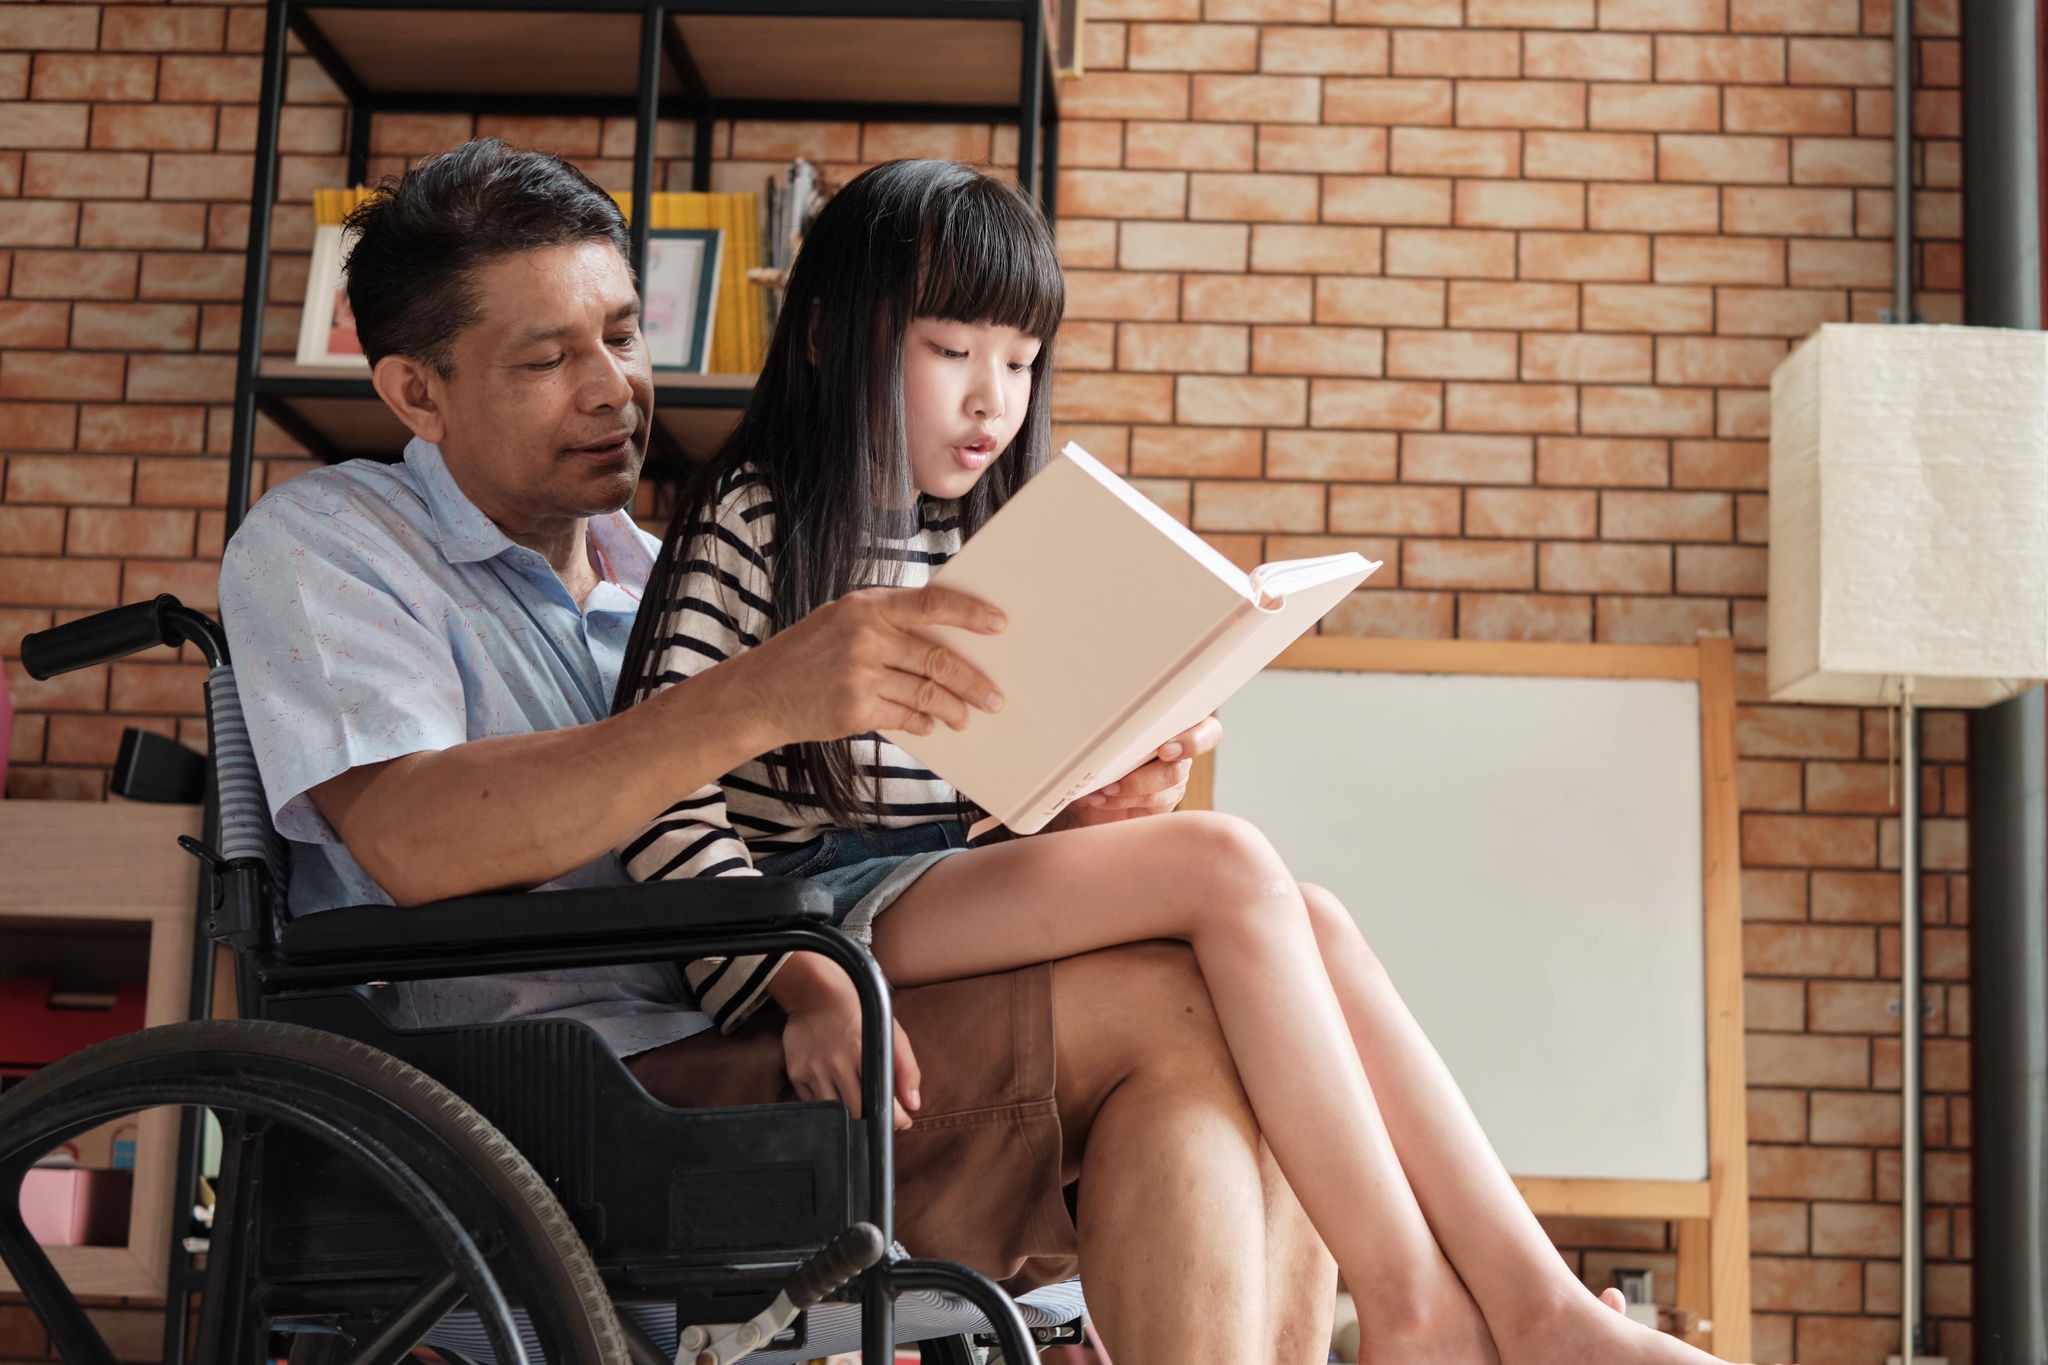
<point x="327" y="327"/>
<point x="679" y="297"/>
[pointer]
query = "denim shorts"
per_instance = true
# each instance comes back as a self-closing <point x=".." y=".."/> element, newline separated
<point x="866" y="869"/>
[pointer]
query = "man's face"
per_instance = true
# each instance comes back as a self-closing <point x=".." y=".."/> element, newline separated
<point x="546" y="413"/>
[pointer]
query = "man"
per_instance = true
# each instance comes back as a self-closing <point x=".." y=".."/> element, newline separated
<point x="427" y="654"/>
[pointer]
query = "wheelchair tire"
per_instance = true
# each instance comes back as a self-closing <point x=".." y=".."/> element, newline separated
<point x="313" y="1080"/>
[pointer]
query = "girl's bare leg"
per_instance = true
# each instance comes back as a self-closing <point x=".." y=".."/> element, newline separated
<point x="1216" y="884"/>
<point x="1537" y="1310"/>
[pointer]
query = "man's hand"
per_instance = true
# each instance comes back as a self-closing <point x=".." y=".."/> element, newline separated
<point x="855" y="665"/>
<point x="821" y="1040"/>
<point x="1152" y="789"/>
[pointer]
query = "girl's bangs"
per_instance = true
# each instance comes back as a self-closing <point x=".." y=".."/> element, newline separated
<point x="985" y="256"/>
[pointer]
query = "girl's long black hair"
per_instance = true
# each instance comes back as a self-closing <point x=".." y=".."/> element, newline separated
<point x="905" y="240"/>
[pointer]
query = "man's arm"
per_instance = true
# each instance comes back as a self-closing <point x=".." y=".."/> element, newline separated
<point x="519" y="810"/>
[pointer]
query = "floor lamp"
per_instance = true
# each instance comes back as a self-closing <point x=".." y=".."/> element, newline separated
<point x="1909" y="568"/>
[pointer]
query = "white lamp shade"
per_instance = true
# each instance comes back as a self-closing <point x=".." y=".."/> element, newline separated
<point x="1909" y="515"/>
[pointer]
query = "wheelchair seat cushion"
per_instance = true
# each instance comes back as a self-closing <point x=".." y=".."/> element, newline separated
<point x="978" y="1176"/>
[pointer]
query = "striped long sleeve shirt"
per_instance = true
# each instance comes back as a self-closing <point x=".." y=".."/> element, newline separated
<point x="718" y="608"/>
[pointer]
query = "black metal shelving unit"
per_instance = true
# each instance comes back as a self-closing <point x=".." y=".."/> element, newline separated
<point x="906" y="61"/>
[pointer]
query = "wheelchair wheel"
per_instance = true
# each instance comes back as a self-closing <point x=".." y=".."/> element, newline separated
<point x="498" y="1228"/>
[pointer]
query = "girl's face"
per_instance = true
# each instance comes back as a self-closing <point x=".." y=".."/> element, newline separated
<point x="966" y="386"/>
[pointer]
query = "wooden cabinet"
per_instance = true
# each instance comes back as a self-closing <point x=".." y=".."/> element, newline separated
<point x="111" y="865"/>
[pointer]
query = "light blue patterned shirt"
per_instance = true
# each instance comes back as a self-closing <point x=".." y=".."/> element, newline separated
<point x="374" y="611"/>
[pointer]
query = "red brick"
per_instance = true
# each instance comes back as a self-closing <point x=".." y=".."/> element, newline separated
<point x="186" y="275"/>
<point x="1184" y="246"/>
<point x="1454" y="151"/>
<point x="1655" y="108"/>
<point x="1600" y="462"/>
<point x="1386" y="303"/>
<point x="181" y="175"/>
<point x="1720" y="464"/>
<point x="1294" y="147"/>
<point x="1659" y="620"/>
<point x="1219" y="401"/>
<point x="139" y="28"/>
<point x="1738" y="361"/>
<point x="1719" y="260"/>
<point x="1319" y="250"/>
<point x="1839" y="61"/>
<point x="1806" y="111"/>
<point x="1404" y="200"/>
<point x="85" y="175"/>
<point x="1100" y="144"/>
<point x="1483" y="303"/>
<point x="1510" y="407"/>
<point x="31" y="530"/>
<point x="1439" y="252"/>
<point x="181" y="483"/>
<point x="1113" y="398"/>
<point x="581" y="136"/>
<point x="1530" y="13"/>
<point x="1589" y="156"/>
<point x="1665" y="516"/>
<point x="750" y="140"/>
<point x="1123" y="194"/>
<point x="1721" y="61"/>
<point x="43" y="125"/>
<point x="1423" y="52"/>
<point x="1648" y="308"/>
<point x="1252" y="298"/>
<point x="1543" y="514"/>
<point x="1393" y="102"/>
<point x="1808" y="841"/>
<point x="35" y="326"/>
<point x="1114" y="295"/>
<point x="1840" y="264"/>
<point x="1866" y="1007"/>
<point x="1849" y="788"/>
<point x="1584" y="256"/>
<point x="1183" y="347"/>
<point x="1521" y="104"/>
<point x="1192" y="47"/>
<point x="1779" y="312"/>
<point x="1393" y="615"/>
<point x="1323" y="51"/>
<point x="37" y="222"/>
<point x="128" y="532"/>
<point x="1374" y="404"/>
<point x="1808" y="1172"/>
<point x="1258" y="506"/>
<point x="1187" y="452"/>
<point x="181" y="379"/>
<point x="1355" y="351"/>
<point x="1253" y="198"/>
<point x="1258" y="99"/>
<point x="1723" y="160"/>
<point x="1641" y="410"/>
<point x="1437" y="354"/>
<point x="1674" y="15"/>
<point x="1771" y="893"/>
<point x="156" y="127"/>
<point x="1604" y="568"/>
<point x="1180" y="146"/>
<point x="1794" y="16"/>
<point x="210" y="80"/>
<point x="1083" y="345"/>
<point x="1085" y="242"/>
<point x="1807" y="1285"/>
<point x="1468" y="564"/>
<point x="1395" y="510"/>
<point x="130" y="428"/>
<point x="1841" y="161"/>
<point x="1443" y="13"/>
<point x="143" y="225"/>
<point x="1342" y="455"/>
<point x="54" y="582"/>
<point x="1520" y="203"/>
<point x="1789" y="212"/>
<point x="1466" y="459"/>
<point x="59" y="374"/>
<point x="1524" y="616"/>
<point x="1574" y="358"/>
<point x="37" y="426"/>
<point x="134" y="327"/>
<point x="1586" y="56"/>
<point x="41" y="27"/>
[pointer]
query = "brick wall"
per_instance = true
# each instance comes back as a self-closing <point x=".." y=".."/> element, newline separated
<point x="1488" y="289"/>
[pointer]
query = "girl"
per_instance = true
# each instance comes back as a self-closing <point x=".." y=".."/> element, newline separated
<point x="903" y="401"/>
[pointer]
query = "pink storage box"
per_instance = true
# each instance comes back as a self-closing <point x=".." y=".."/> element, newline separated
<point x="68" y="1206"/>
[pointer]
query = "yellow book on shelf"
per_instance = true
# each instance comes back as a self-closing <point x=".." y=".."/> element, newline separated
<point x="738" y="331"/>
<point x="331" y="207"/>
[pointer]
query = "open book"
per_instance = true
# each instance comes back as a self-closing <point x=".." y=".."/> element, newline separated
<point x="1125" y="628"/>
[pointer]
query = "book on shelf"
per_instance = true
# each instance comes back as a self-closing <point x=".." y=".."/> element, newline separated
<point x="327" y="328"/>
<point x="739" y="317"/>
<point x="1124" y="629"/>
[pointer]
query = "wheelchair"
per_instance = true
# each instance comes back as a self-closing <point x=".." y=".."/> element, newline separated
<point x="504" y="1193"/>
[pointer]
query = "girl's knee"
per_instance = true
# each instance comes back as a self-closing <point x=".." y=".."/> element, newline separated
<point x="1335" y="929"/>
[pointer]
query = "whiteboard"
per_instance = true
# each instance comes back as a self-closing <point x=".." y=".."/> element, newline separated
<point x="1524" y="854"/>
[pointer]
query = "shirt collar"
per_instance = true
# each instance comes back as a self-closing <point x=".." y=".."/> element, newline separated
<point x="467" y="536"/>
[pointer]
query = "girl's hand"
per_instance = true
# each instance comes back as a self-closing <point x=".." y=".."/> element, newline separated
<point x="821" y="1040"/>
<point x="1153" y="789"/>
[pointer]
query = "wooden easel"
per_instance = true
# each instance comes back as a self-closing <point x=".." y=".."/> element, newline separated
<point x="1712" y="1215"/>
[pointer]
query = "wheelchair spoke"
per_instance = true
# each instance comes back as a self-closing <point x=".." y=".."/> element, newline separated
<point x="396" y="1335"/>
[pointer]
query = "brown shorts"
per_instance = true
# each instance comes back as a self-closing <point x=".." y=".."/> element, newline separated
<point x="978" y="1172"/>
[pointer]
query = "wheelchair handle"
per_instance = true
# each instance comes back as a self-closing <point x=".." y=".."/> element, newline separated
<point x="110" y="635"/>
<point x="838" y="1261"/>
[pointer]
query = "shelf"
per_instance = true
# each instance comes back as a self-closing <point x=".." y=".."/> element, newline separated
<point x="915" y="60"/>
<point x="75" y="865"/>
<point x="337" y="416"/>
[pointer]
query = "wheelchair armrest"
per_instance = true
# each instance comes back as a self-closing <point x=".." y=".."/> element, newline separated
<point x="670" y="911"/>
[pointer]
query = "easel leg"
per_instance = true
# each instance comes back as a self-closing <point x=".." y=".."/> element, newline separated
<point x="1695" y="1280"/>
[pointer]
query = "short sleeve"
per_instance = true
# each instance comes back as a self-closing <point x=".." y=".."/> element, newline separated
<point x="335" y="666"/>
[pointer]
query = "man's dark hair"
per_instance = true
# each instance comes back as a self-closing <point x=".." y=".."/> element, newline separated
<point x="422" y="239"/>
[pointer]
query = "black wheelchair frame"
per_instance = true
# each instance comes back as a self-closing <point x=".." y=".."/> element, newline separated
<point x="360" y="1199"/>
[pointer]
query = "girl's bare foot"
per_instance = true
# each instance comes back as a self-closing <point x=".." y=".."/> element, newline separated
<point x="1579" y="1330"/>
